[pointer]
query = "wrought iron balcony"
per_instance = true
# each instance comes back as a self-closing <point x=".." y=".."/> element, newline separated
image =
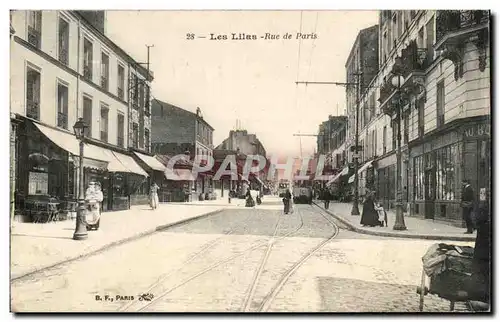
<point x="62" y="120"/>
<point x="33" y="110"/>
<point x="63" y="56"/>
<point x="87" y="72"/>
<point x="104" y="136"/>
<point x="451" y="21"/>
<point x="120" y="93"/>
<point x="34" y="37"/>
<point x="104" y="82"/>
<point x="454" y="28"/>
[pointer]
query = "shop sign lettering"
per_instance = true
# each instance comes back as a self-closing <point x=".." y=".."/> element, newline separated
<point x="477" y="130"/>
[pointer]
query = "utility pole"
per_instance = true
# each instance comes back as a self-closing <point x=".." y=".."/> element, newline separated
<point x="357" y="148"/>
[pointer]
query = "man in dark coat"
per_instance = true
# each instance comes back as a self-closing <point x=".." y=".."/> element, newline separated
<point x="326" y="197"/>
<point x="467" y="205"/>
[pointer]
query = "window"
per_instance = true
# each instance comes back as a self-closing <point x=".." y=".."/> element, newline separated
<point x="146" y="140"/>
<point x="148" y="98"/>
<point x="121" y="81"/>
<point x="104" y="122"/>
<point x="120" y="130"/>
<point x="420" y="40"/>
<point x="35" y="28"/>
<point x="33" y="94"/>
<point x="87" y="113"/>
<point x="141" y="95"/>
<point x="446" y="160"/>
<point x="421" y="128"/>
<point x="374" y="141"/>
<point x="440" y="103"/>
<point x="63" y="41"/>
<point x="87" y="59"/>
<point x="406" y="121"/>
<point x="38" y="183"/>
<point x="62" y="106"/>
<point x="104" y="71"/>
<point x="135" y="91"/>
<point x="135" y="135"/>
<point x="418" y="177"/>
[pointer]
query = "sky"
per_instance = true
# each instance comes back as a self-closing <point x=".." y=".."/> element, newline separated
<point x="252" y="81"/>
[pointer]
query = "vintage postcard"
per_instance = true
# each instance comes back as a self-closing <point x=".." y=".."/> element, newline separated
<point x="250" y="161"/>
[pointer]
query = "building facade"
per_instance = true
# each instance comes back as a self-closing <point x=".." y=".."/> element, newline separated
<point x="247" y="144"/>
<point x="443" y="104"/>
<point x="178" y="131"/>
<point x="64" y="68"/>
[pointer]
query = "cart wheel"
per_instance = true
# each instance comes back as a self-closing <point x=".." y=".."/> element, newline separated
<point x="422" y="292"/>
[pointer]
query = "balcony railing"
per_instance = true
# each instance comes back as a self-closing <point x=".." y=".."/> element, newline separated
<point x="104" y="136"/>
<point x="104" y="82"/>
<point x="87" y="72"/>
<point x="448" y="21"/>
<point x="33" y="110"/>
<point x="120" y="93"/>
<point x="63" y="56"/>
<point x="62" y="120"/>
<point x="34" y="37"/>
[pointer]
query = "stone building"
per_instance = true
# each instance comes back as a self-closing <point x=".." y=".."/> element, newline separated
<point x="64" y="67"/>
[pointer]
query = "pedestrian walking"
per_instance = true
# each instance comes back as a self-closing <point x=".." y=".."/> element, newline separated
<point x="153" y="196"/>
<point x="467" y="205"/>
<point x="369" y="217"/>
<point x="286" y="201"/>
<point x="327" y="196"/>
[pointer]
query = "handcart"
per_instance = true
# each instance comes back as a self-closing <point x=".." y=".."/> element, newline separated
<point x="448" y="268"/>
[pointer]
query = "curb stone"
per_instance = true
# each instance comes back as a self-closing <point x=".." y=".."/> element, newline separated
<point x="352" y="227"/>
<point x="113" y="244"/>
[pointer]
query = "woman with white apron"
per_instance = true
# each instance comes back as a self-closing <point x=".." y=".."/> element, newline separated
<point x="153" y="196"/>
<point x="93" y="199"/>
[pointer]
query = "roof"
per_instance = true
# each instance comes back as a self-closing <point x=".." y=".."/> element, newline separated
<point x="184" y="110"/>
<point x="360" y="33"/>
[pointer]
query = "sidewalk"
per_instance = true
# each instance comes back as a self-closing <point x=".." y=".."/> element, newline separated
<point x="416" y="227"/>
<point x="38" y="246"/>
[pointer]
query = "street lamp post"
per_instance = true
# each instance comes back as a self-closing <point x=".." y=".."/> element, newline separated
<point x="399" y="224"/>
<point x="81" y="226"/>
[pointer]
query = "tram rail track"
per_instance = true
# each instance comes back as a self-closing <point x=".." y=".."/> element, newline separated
<point x="218" y="264"/>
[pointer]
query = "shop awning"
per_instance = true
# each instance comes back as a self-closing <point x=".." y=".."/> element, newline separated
<point x="179" y="175"/>
<point x="335" y="178"/>
<point x="151" y="162"/>
<point x="68" y="142"/>
<point x="125" y="163"/>
<point x="363" y="168"/>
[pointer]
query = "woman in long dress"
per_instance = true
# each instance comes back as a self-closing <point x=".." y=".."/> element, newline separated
<point x="369" y="216"/>
<point x="153" y="196"/>
<point x="93" y="198"/>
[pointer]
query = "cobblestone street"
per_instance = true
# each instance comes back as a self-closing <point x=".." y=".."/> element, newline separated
<point x="240" y="260"/>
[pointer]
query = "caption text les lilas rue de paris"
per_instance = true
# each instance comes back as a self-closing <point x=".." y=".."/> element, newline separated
<point x="247" y="36"/>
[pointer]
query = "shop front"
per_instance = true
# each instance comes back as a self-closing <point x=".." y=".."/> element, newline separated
<point x="47" y="170"/>
<point x="442" y="161"/>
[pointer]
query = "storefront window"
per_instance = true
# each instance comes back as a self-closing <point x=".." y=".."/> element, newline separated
<point x="38" y="183"/>
<point x="419" y="172"/>
<point x="446" y="159"/>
